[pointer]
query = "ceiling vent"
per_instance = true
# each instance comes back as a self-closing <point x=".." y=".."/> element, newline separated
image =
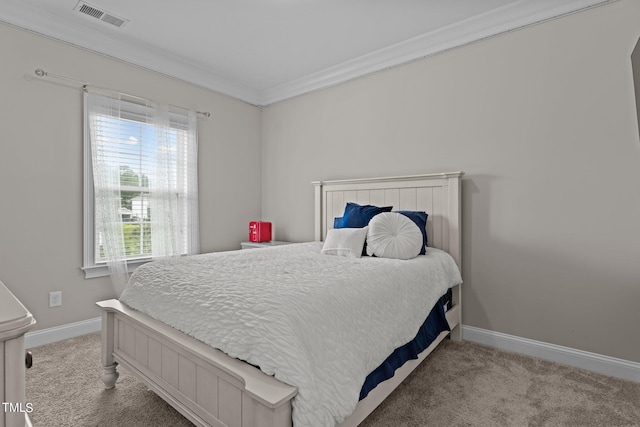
<point x="100" y="14"/>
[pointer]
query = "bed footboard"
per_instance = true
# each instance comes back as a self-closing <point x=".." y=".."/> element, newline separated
<point x="207" y="386"/>
<point x="202" y="383"/>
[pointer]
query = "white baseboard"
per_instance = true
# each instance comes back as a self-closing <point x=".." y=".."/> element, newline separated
<point x="63" y="332"/>
<point x="607" y="365"/>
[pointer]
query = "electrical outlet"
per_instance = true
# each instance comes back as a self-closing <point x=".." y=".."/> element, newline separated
<point x="55" y="299"/>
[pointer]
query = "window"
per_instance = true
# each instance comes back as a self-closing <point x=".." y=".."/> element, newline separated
<point x="140" y="181"/>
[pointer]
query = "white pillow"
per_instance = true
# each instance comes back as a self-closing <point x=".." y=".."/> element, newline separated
<point x="346" y="242"/>
<point x="393" y="235"/>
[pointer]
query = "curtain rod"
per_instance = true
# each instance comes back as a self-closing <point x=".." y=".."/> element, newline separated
<point x="42" y="73"/>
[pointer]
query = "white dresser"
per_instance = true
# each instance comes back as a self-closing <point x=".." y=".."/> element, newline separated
<point x="15" y="321"/>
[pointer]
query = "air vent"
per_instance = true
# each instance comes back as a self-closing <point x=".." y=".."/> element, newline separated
<point x="102" y="15"/>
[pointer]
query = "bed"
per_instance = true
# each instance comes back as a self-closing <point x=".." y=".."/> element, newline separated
<point x="211" y="388"/>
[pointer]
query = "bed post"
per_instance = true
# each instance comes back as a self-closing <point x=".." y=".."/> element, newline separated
<point x="110" y="374"/>
<point x="455" y="243"/>
<point x="318" y="211"/>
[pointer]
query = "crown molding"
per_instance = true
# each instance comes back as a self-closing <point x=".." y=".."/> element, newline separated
<point x="498" y="21"/>
<point x="114" y="46"/>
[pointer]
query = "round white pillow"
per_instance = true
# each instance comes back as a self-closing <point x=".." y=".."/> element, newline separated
<point x="393" y="235"/>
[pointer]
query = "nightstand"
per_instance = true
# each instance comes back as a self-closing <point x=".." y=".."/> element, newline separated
<point x="254" y="245"/>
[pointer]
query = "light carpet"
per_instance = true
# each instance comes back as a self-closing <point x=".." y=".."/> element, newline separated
<point x="460" y="384"/>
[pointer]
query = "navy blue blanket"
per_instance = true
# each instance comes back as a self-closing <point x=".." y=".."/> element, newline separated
<point x="432" y="327"/>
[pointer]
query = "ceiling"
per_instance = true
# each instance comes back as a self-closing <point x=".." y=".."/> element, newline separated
<point x="263" y="51"/>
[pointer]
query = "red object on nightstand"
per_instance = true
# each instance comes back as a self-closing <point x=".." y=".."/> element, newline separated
<point x="259" y="231"/>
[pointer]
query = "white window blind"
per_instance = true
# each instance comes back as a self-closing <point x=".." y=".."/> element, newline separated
<point x="141" y="198"/>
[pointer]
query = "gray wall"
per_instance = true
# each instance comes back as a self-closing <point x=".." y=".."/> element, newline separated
<point x="41" y="168"/>
<point x="543" y="122"/>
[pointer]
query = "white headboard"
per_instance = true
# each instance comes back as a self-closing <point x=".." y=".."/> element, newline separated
<point x="437" y="194"/>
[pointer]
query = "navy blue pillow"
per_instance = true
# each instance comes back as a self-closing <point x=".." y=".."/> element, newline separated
<point x="357" y="216"/>
<point x="420" y="218"/>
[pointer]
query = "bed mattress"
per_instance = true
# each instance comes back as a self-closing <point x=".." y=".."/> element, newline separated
<point x="318" y="322"/>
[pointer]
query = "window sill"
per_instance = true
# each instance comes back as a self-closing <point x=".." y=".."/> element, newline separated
<point x="101" y="270"/>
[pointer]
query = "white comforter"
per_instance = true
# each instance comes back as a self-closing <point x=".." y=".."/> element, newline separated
<point x="319" y="322"/>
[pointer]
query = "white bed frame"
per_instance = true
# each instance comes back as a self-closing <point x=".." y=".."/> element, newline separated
<point x="212" y="389"/>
